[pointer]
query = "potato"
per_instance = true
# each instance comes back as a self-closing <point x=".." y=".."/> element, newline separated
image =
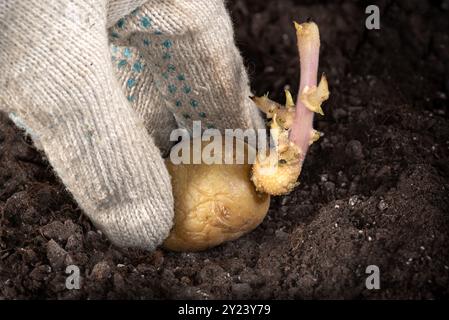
<point x="213" y="204"/>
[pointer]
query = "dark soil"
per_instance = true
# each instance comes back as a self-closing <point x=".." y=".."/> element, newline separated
<point x="374" y="190"/>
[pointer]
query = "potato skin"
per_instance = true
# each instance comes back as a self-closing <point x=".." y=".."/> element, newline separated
<point x="213" y="204"/>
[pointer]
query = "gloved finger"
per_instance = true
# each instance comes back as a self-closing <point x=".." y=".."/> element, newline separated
<point x="198" y="70"/>
<point x="56" y="75"/>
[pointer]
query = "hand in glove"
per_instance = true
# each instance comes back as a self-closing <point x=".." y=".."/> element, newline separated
<point x="100" y="85"/>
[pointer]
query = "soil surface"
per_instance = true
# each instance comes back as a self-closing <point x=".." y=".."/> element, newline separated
<point x="374" y="189"/>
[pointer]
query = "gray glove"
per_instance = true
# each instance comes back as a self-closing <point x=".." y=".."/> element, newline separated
<point x="103" y="125"/>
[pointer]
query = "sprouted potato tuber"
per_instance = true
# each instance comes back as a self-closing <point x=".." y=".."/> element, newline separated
<point x="221" y="202"/>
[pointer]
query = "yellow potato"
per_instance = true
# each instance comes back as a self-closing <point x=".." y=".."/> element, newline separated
<point x="213" y="204"/>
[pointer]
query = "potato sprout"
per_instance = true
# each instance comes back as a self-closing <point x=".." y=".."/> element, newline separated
<point x="292" y="128"/>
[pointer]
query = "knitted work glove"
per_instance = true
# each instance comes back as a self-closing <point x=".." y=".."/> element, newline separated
<point x="57" y="78"/>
